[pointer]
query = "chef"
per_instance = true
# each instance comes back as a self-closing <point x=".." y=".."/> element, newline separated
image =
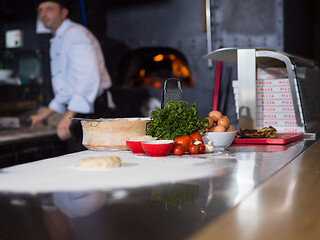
<point x="80" y="80"/>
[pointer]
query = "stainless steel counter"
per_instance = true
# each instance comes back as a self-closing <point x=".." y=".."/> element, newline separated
<point x="24" y="134"/>
<point x="163" y="211"/>
<point x="286" y="206"/>
<point x="25" y="145"/>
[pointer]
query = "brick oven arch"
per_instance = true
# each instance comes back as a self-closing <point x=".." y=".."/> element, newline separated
<point x="151" y="67"/>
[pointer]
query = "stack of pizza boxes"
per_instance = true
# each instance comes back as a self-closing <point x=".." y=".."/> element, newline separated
<point x="274" y="104"/>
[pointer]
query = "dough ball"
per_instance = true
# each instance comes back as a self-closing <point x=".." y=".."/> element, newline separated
<point x="100" y="162"/>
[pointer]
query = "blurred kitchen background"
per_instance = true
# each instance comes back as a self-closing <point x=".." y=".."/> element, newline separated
<point x="146" y="42"/>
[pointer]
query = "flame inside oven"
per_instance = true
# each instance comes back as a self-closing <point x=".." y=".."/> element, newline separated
<point x="151" y="66"/>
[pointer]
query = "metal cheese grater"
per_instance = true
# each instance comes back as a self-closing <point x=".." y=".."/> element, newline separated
<point x="171" y="94"/>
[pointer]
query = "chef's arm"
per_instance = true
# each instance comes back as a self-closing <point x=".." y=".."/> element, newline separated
<point x="37" y="119"/>
<point x="63" y="128"/>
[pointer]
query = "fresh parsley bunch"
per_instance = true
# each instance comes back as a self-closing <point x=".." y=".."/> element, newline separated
<point x="175" y="120"/>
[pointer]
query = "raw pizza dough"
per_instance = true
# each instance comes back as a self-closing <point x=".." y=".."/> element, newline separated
<point x="100" y="162"/>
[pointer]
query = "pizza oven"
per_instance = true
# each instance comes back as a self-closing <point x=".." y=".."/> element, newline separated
<point x="140" y="76"/>
<point x="149" y="67"/>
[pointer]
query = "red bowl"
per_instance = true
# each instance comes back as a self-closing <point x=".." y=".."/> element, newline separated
<point x="135" y="146"/>
<point x="158" y="148"/>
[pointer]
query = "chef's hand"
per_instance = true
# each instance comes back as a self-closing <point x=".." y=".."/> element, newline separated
<point x="63" y="128"/>
<point x="38" y="119"/>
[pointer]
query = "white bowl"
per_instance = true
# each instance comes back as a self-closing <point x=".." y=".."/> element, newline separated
<point x="220" y="139"/>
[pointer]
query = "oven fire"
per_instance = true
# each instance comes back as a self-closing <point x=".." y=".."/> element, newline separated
<point x="151" y="67"/>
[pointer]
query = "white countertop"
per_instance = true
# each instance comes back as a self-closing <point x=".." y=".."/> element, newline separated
<point x="61" y="174"/>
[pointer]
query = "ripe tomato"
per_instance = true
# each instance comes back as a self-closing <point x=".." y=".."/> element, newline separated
<point x="193" y="149"/>
<point x="178" y="150"/>
<point x="195" y="136"/>
<point x="185" y="141"/>
<point x="201" y="148"/>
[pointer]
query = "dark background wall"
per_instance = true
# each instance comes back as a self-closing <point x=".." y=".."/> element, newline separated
<point x="302" y="28"/>
<point x="301" y="23"/>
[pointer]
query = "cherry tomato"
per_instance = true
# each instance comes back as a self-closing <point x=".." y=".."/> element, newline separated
<point x="178" y="150"/>
<point x="195" y="136"/>
<point x="185" y="141"/>
<point x="202" y="148"/>
<point x="193" y="149"/>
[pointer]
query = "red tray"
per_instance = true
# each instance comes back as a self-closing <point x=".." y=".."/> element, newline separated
<point x="283" y="138"/>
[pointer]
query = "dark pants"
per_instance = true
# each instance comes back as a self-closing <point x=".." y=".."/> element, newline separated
<point x="101" y="110"/>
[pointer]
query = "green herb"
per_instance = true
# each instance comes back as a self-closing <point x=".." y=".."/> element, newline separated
<point x="175" y="120"/>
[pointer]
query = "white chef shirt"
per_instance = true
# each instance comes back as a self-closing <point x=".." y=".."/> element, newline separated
<point x="78" y="71"/>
